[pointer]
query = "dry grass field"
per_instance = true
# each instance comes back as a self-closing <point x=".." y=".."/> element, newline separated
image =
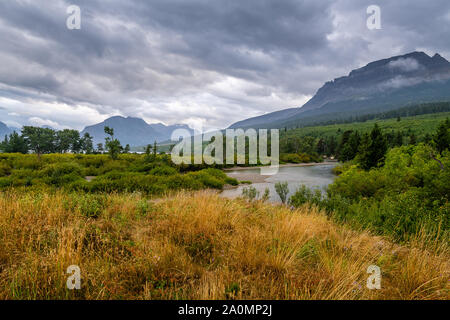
<point x="201" y="246"/>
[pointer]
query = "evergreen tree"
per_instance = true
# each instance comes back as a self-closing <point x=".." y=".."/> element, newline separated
<point x="399" y="139"/>
<point x="442" y="137"/>
<point x="372" y="149"/>
<point x="331" y="146"/>
<point x="427" y="138"/>
<point x="412" y="139"/>
<point x="349" y="145"/>
<point x="15" y="144"/>
<point x="321" y="146"/>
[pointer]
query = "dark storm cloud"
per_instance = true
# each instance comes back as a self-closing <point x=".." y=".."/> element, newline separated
<point x="196" y="61"/>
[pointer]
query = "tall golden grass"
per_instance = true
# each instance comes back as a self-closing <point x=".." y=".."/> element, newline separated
<point x="201" y="246"/>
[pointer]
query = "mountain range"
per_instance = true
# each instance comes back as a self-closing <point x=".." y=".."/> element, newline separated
<point x="4" y="130"/>
<point x="379" y="86"/>
<point x="133" y="131"/>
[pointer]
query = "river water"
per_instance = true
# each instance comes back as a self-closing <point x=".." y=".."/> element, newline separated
<point x="314" y="177"/>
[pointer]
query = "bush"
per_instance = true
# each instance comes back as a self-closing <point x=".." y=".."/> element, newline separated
<point x="163" y="171"/>
<point x="129" y="173"/>
<point x="282" y="190"/>
<point x="409" y="193"/>
<point x="89" y="205"/>
<point x="304" y="195"/>
<point x="5" y="169"/>
<point x="250" y="193"/>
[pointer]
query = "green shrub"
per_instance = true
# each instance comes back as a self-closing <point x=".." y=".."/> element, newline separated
<point x="282" y="190"/>
<point x="305" y="195"/>
<point x="231" y="181"/>
<point x="5" y="169"/>
<point x="90" y="205"/>
<point x="250" y="193"/>
<point x="163" y="171"/>
<point x="408" y="194"/>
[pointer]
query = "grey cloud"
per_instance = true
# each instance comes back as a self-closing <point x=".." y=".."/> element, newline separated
<point x="200" y="60"/>
<point x="405" y="65"/>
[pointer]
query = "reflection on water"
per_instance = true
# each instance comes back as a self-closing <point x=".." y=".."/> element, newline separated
<point x="314" y="177"/>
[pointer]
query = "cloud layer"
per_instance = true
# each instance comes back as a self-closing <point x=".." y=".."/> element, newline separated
<point x="199" y="62"/>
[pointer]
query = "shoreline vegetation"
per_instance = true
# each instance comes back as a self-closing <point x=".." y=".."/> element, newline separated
<point x="305" y="164"/>
<point x="259" y="178"/>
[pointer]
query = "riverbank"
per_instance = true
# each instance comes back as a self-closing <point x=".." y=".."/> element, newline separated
<point x="311" y="175"/>
<point x="257" y="177"/>
<point x="309" y="164"/>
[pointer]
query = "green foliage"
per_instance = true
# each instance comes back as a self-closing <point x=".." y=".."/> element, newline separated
<point x="409" y="193"/>
<point x="40" y="140"/>
<point x="46" y="140"/>
<point x="420" y="125"/>
<point x="266" y="195"/>
<point x="163" y="171"/>
<point x="87" y="143"/>
<point x="349" y="145"/>
<point x="372" y="149"/>
<point x="298" y="158"/>
<point x="427" y="109"/>
<point x="67" y="140"/>
<point x="89" y="205"/>
<point x="250" y="193"/>
<point x="112" y="145"/>
<point x="442" y="136"/>
<point x="14" y="144"/>
<point x="129" y="173"/>
<point x="304" y="195"/>
<point x="282" y="190"/>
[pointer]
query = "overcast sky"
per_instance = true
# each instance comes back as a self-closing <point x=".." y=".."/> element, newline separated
<point x="199" y="62"/>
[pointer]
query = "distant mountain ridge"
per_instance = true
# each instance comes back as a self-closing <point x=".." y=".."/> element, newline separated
<point x="4" y="130"/>
<point x="379" y="86"/>
<point x="133" y="131"/>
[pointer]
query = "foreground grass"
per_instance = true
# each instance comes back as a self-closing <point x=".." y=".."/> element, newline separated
<point x="200" y="246"/>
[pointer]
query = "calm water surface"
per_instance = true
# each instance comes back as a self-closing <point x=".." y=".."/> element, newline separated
<point x="314" y="177"/>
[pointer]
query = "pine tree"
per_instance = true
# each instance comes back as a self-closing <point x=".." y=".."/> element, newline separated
<point x="372" y="149"/>
<point x="399" y="139"/>
<point x="15" y="144"/>
<point x="412" y="139"/>
<point x="442" y="137"/>
<point x="321" y="146"/>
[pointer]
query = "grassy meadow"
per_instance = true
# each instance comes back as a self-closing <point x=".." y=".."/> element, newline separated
<point x="201" y="246"/>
